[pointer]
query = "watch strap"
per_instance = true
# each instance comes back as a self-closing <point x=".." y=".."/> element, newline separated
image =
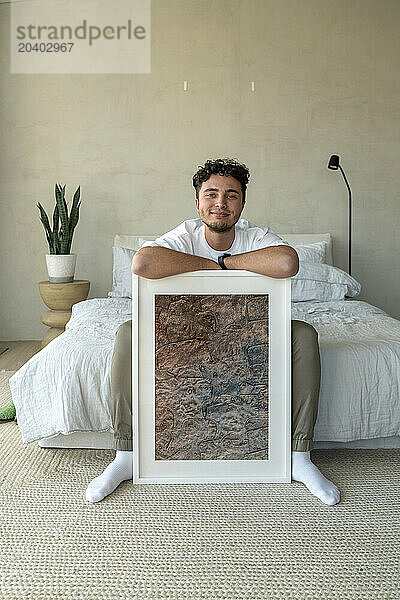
<point x="221" y="261"/>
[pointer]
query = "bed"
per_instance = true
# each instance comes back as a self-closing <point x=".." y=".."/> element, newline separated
<point x="62" y="394"/>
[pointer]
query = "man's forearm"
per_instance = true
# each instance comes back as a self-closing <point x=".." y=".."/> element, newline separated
<point x="155" y="262"/>
<point x="275" y="261"/>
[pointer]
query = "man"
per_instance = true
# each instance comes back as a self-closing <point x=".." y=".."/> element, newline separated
<point x="220" y="239"/>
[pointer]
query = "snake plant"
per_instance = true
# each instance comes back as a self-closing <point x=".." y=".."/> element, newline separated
<point x="60" y="237"/>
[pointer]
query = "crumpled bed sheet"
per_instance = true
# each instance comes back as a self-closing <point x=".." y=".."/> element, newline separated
<point x="65" y="388"/>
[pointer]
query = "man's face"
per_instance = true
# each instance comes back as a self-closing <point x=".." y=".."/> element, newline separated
<point x="220" y="202"/>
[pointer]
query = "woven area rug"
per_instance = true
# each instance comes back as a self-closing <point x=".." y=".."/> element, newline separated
<point x="201" y="542"/>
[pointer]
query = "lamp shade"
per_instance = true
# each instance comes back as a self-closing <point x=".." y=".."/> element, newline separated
<point x="333" y="162"/>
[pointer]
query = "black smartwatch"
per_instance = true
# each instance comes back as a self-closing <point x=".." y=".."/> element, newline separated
<point x="221" y="261"/>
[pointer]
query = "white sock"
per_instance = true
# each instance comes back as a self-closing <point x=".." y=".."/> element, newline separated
<point x="118" y="471"/>
<point x="305" y="471"/>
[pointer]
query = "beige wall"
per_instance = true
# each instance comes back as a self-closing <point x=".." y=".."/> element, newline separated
<point x="327" y="81"/>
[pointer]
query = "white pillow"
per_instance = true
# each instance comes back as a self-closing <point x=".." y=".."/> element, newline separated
<point x="133" y="242"/>
<point x="122" y="274"/>
<point x="321" y="283"/>
<point x="312" y="253"/>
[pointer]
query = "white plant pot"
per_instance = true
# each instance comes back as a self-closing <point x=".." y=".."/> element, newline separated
<point x="61" y="267"/>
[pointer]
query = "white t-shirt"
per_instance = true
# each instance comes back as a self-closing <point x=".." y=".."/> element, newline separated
<point x="189" y="237"/>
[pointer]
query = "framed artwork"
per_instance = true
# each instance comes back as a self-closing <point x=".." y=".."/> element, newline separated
<point x="211" y="378"/>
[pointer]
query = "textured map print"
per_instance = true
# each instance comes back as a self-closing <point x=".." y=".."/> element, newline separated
<point x="211" y="377"/>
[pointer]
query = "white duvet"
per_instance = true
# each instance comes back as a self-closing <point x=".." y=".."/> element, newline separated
<point x="65" y="388"/>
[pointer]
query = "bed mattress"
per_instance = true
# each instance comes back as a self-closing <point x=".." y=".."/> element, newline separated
<point x="65" y="388"/>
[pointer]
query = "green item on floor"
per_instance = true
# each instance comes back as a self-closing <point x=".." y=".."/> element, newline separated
<point x="8" y="412"/>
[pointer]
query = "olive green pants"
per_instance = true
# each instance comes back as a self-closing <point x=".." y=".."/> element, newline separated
<point x="306" y="376"/>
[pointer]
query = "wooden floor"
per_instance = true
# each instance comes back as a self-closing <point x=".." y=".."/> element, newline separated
<point x="18" y="354"/>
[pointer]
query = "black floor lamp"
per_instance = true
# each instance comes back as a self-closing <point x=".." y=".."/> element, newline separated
<point x="334" y="164"/>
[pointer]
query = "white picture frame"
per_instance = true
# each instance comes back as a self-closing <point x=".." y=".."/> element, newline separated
<point x="199" y="286"/>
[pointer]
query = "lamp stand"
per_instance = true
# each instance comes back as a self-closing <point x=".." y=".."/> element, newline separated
<point x="349" y="190"/>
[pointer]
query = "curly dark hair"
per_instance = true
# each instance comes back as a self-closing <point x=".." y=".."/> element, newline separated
<point x="222" y="166"/>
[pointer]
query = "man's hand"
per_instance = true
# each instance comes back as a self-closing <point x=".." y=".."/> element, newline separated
<point x="155" y="262"/>
<point x="274" y="261"/>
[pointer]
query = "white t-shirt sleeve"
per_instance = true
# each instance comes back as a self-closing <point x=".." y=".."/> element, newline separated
<point x="172" y="239"/>
<point x="264" y="237"/>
